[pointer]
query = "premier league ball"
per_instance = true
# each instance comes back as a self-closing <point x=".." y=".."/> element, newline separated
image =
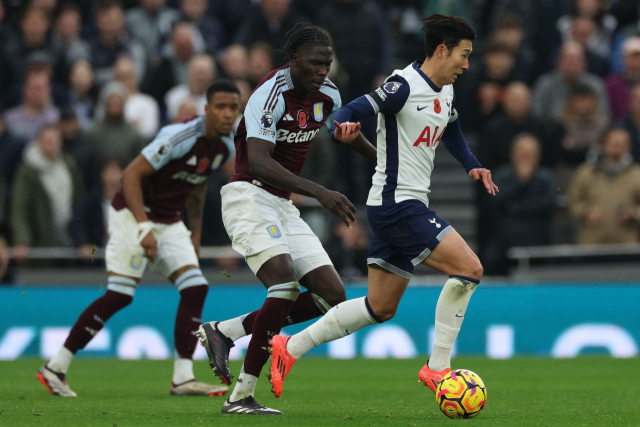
<point x="461" y="394"/>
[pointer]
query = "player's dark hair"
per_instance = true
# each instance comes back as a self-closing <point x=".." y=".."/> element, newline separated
<point x="444" y="29"/>
<point x="304" y="34"/>
<point x="222" y="85"/>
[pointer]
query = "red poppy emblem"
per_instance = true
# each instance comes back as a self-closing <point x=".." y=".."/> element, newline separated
<point x="202" y="166"/>
<point x="436" y="106"/>
<point x="302" y="118"/>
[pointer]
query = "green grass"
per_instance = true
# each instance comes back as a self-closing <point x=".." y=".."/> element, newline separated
<point x="592" y="391"/>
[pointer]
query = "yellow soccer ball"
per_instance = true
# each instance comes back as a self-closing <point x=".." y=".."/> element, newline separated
<point x="461" y="394"/>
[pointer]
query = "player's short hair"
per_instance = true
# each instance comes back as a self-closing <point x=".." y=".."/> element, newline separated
<point x="304" y="34"/>
<point x="447" y="29"/>
<point x="222" y="85"/>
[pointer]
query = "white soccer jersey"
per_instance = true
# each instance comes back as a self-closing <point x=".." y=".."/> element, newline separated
<point x="412" y="116"/>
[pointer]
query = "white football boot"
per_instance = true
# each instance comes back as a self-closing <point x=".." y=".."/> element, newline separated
<point x="54" y="382"/>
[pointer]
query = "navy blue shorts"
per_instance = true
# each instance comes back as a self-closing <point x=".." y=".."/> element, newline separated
<point x="404" y="235"/>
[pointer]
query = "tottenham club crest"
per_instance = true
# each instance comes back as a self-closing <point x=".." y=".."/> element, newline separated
<point x="317" y="111"/>
<point x="391" y="87"/>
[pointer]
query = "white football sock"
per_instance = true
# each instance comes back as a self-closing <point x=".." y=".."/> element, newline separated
<point x="245" y="386"/>
<point x="450" y="310"/>
<point x="61" y="361"/>
<point x="233" y="328"/>
<point x="342" y="320"/>
<point x="182" y="370"/>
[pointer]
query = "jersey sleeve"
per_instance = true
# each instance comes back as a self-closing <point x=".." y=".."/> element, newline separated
<point x="454" y="113"/>
<point x="334" y="94"/>
<point x="391" y="96"/>
<point x="264" y="110"/>
<point x="172" y="142"/>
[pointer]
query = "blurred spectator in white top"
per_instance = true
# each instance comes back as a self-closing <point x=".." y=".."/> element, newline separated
<point x="187" y="110"/>
<point x="235" y="62"/>
<point x="82" y="92"/>
<point x="552" y="90"/>
<point x="260" y="62"/>
<point x="36" y="110"/>
<point x="171" y="69"/>
<point x="66" y="36"/>
<point x="631" y="122"/>
<point x="200" y="75"/>
<point x="112" y="41"/>
<point x="211" y="29"/>
<point x="619" y="85"/>
<point x="151" y="23"/>
<point x="140" y="109"/>
<point x="605" y="24"/>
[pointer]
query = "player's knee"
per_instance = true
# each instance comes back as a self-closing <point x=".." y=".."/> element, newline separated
<point x="476" y="270"/>
<point x="118" y="300"/>
<point x="336" y="296"/>
<point x="386" y="313"/>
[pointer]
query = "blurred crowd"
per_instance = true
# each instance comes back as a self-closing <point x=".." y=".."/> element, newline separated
<point x="551" y="104"/>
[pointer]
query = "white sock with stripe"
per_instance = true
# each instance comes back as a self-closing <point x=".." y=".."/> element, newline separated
<point x="61" y="361"/>
<point x="452" y="305"/>
<point x="245" y="386"/>
<point x="190" y="278"/>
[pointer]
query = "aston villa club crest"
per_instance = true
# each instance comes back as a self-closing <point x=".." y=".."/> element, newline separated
<point x="303" y="117"/>
<point x="274" y="231"/>
<point x="317" y="111"/>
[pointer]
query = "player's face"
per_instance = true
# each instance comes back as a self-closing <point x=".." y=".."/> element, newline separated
<point x="457" y="62"/>
<point x="310" y="66"/>
<point x="221" y="112"/>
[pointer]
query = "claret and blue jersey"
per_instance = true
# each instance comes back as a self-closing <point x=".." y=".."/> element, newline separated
<point x="414" y="116"/>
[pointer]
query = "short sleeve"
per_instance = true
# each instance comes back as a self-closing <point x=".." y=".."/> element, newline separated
<point x="264" y="110"/>
<point x="172" y="142"/>
<point x="331" y="91"/>
<point x="391" y="96"/>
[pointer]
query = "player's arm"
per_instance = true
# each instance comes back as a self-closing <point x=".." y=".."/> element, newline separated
<point x="263" y="166"/>
<point x="195" y="208"/>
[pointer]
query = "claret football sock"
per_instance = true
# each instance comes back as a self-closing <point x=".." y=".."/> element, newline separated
<point x="342" y="320"/>
<point x="272" y="314"/>
<point x="452" y="305"/>
<point x="188" y="319"/>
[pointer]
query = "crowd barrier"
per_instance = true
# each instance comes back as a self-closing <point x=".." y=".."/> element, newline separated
<point x="503" y="321"/>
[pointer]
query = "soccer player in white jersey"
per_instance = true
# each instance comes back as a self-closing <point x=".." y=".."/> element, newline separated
<point x="416" y="110"/>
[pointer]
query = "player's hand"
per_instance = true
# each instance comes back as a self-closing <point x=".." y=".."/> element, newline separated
<point x="339" y="205"/>
<point x="484" y="175"/>
<point x="347" y="131"/>
<point x="150" y="245"/>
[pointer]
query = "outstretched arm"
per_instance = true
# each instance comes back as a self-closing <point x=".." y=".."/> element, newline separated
<point x="345" y="127"/>
<point x="264" y="167"/>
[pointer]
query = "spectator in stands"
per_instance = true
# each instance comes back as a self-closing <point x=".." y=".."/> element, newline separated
<point x="200" y="75"/>
<point x="523" y="210"/>
<point x="552" y="90"/>
<point x="73" y="139"/>
<point x="11" y="148"/>
<point x="260" y="62"/>
<point x="89" y="224"/>
<point x="619" y="85"/>
<point x="509" y="31"/>
<point x="582" y="30"/>
<point x="235" y="62"/>
<point x="187" y="110"/>
<point x="605" y="25"/>
<point x="82" y="92"/>
<point x="171" y="70"/>
<point x="36" y="109"/>
<point x="66" y="37"/>
<point x="211" y="29"/>
<point x="46" y="186"/>
<point x="140" y="109"/>
<point x="110" y="135"/>
<point x="245" y="92"/>
<point x="4" y="245"/>
<point x="497" y="137"/>
<point x="605" y="194"/>
<point x="631" y="122"/>
<point x="269" y="22"/>
<point x="348" y="247"/>
<point x="629" y="30"/>
<point x="151" y="23"/>
<point x="113" y="41"/>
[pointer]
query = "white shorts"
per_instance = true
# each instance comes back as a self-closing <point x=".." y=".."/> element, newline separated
<point x="261" y="226"/>
<point x="125" y="256"/>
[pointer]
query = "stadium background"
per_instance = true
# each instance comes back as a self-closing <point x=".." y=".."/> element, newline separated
<point x="108" y="74"/>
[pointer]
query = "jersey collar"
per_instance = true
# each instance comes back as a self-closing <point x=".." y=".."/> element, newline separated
<point x="416" y="66"/>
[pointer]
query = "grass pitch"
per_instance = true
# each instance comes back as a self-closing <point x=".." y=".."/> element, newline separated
<point x="591" y="391"/>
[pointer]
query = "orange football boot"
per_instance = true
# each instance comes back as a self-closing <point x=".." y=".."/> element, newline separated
<point x="281" y="363"/>
<point x="432" y="378"/>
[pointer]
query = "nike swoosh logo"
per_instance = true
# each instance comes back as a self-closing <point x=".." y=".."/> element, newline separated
<point x="459" y="316"/>
<point x="420" y="109"/>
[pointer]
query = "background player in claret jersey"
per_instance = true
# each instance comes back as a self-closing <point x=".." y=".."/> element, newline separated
<point x="282" y="117"/>
<point x="416" y="110"/>
<point x="145" y="225"/>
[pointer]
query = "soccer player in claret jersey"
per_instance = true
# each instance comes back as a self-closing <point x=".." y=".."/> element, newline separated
<point x="285" y="112"/>
<point x="416" y="110"/>
<point x="145" y="225"/>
